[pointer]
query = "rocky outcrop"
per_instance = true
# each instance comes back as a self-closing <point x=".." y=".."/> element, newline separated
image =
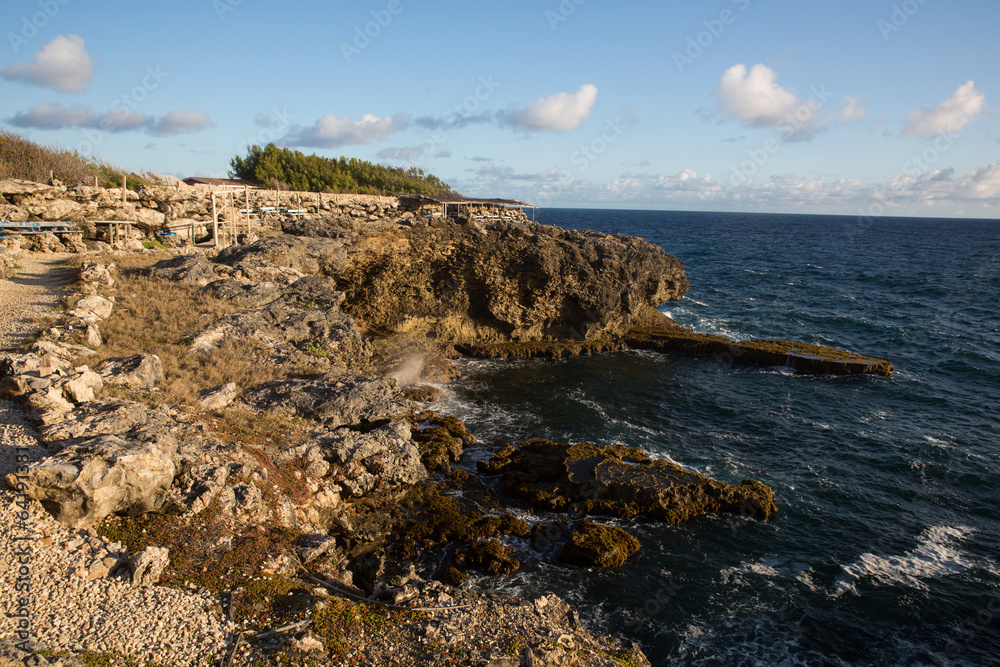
<point x="501" y="282"/>
<point x="333" y="400"/>
<point x="619" y="481"/>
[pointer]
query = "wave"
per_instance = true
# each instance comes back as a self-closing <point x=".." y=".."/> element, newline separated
<point x="935" y="556"/>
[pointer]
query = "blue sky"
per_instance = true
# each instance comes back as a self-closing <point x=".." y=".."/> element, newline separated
<point x="853" y="107"/>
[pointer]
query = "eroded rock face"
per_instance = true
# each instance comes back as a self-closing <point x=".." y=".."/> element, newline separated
<point x="619" y="481"/>
<point x="507" y="281"/>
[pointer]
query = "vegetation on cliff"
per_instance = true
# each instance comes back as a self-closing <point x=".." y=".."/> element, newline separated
<point x="293" y="170"/>
<point x="24" y="159"/>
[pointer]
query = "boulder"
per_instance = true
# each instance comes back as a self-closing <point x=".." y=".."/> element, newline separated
<point x="141" y="370"/>
<point x="148" y="565"/>
<point x="93" y="307"/>
<point x="194" y="269"/>
<point x="95" y="477"/>
<point x="84" y="387"/>
<point x="593" y="545"/>
<point x="59" y="209"/>
<point x="242" y="294"/>
<point x="309" y="256"/>
<point x="219" y="397"/>
<point x="368" y="460"/>
<point x="619" y="481"/>
<point x="333" y="400"/>
<point x="16" y="186"/>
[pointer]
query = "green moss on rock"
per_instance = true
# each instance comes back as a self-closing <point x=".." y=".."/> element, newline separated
<point x="593" y="545"/>
<point x="618" y="481"/>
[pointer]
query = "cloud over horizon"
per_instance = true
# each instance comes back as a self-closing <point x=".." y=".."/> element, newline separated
<point x="952" y="115"/>
<point x="332" y="131"/>
<point x="57" y="117"/>
<point x="63" y="64"/>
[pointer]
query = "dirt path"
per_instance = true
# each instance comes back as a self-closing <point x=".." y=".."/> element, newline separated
<point x="33" y="295"/>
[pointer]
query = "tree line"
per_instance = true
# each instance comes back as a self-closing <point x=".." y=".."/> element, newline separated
<point x="286" y="169"/>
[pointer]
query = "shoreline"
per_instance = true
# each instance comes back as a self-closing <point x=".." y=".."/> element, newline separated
<point x="370" y="445"/>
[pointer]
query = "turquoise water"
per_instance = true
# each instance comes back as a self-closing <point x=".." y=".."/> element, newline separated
<point x="885" y="548"/>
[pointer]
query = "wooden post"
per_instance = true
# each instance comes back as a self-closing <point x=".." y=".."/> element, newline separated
<point x="215" y="222"/>
<point x="246" y="192"/>
<point x="95" y="182"/>
<point x="124" y="188"/>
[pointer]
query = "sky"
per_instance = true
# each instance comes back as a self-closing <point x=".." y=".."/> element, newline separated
<point x="857" y="107"/>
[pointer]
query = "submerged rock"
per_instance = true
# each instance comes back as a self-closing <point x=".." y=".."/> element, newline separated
<point x="592" y="545"/>
<point x="619" y="481"/>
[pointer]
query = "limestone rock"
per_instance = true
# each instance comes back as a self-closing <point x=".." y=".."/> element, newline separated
<point x="92" y="338"/>
<point x="148" y="565"/>
<point x="512" y="281"/>
<point x="309" y="256"/>
<point x="16" y="186"/>
<point x="84" y="387"/>
<point x="219" y="397"/>
<point x="242" y="294"/>
<point x="99" y="275"/>
<point x="93" y="307"/>
<point x="93" y="478"/>
<point x="384" y="455"/>
<point x="334" y="400"/>
<point x="141" y="370"/>
<point x="195" y="269"/>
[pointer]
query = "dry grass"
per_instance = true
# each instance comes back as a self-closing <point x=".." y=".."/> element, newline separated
<point x="22" y="158"/>
<point x="160" y="318"/>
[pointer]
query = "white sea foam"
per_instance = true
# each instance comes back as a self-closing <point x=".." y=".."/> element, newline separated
<point x="935" y="556"/>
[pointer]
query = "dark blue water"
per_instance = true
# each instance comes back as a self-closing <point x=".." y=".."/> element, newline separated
<point x="885" y="549"/>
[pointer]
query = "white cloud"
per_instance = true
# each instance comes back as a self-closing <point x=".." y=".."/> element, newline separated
<point x="331" y="131"/>
<point x="181" y="122"/>
<point x="852" y="109"/>
<point x="937" y="193"/>
<point x="754" y="97"/>
<point x="56" y="117"/>
<point x="561" y="112"/>
<point x="63" y="64"/>
<point x="952" y="115"/>
<point x="756" y="100"/>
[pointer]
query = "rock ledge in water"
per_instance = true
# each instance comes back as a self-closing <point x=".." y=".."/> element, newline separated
<point x="619" y="481"/>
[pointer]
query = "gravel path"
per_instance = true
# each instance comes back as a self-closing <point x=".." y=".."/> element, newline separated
<point x="33" y="294"/>
<point x="68" y="612"/>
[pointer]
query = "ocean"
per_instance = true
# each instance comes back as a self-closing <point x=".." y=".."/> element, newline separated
<point x="885" y="548"/>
